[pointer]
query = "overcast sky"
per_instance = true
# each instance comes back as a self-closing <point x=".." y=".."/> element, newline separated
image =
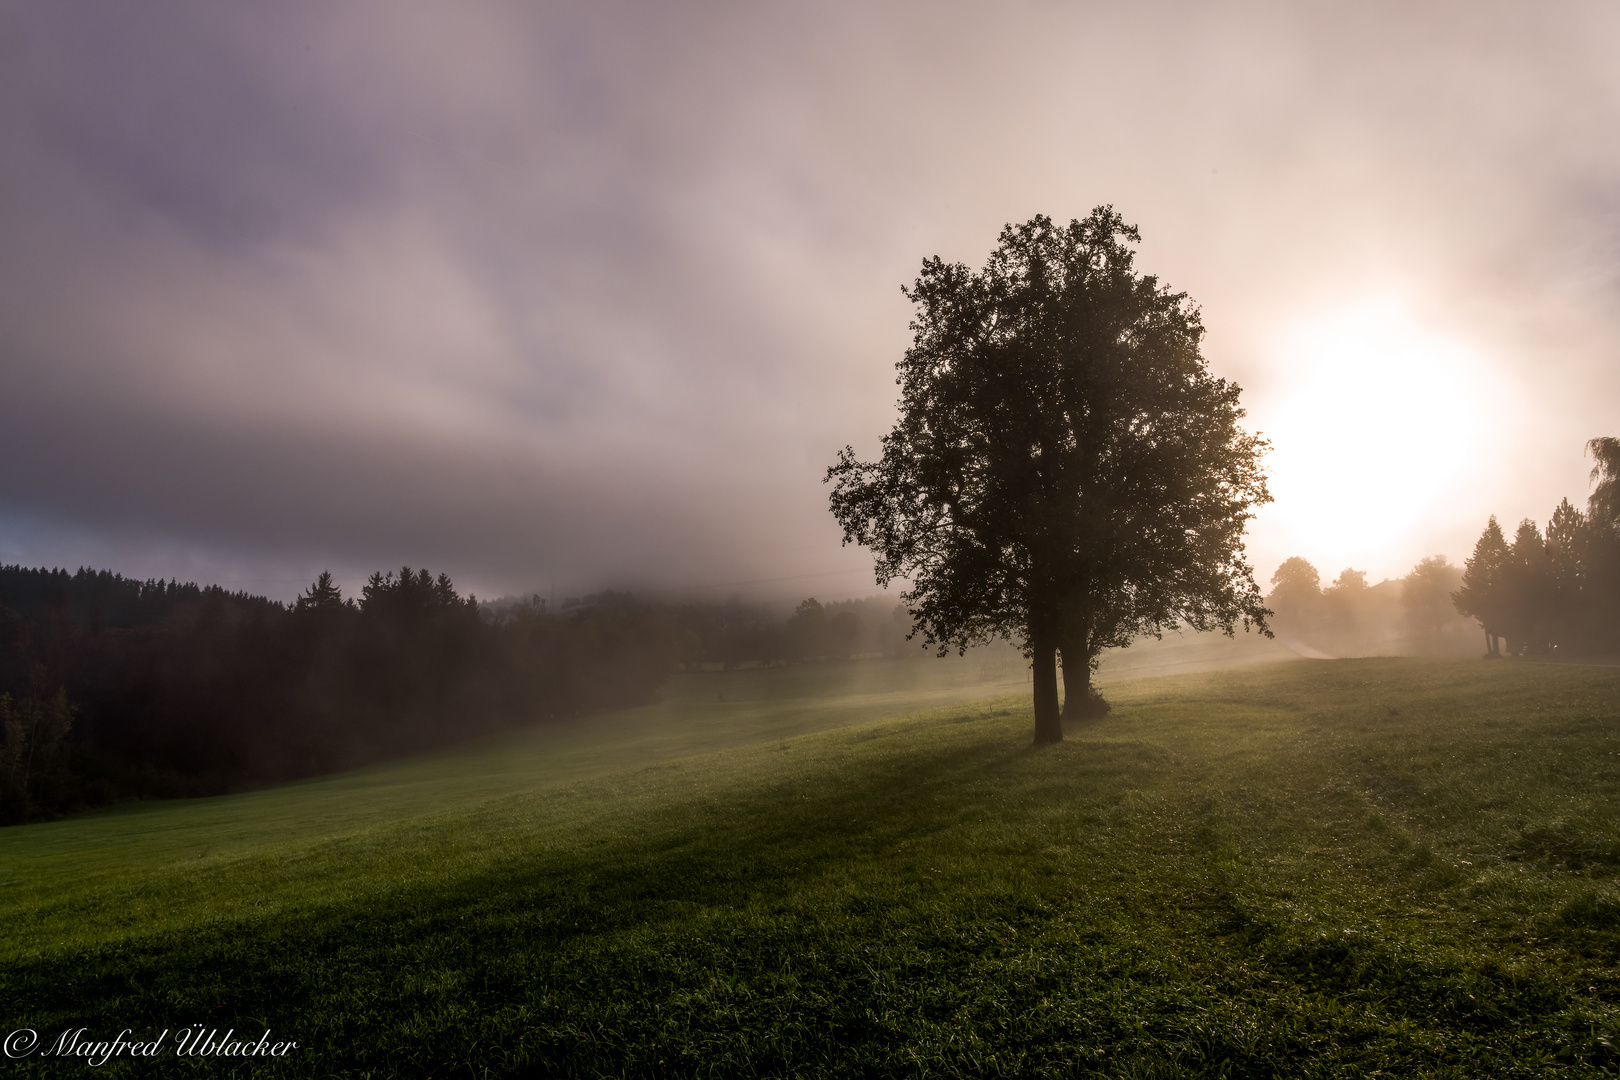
<point x="591" y="293"/>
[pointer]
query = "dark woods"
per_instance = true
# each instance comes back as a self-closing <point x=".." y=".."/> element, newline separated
<point x="114" y="689"/>
<point x="1558" y="591"/>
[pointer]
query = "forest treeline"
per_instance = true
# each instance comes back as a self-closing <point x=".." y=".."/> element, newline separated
<point x="735" y="634"/>
<point x="1556" y="591"/>
<point x="112" y="688"/>
<point x="1544" y="592"/>
<point x="1411" y="615"/>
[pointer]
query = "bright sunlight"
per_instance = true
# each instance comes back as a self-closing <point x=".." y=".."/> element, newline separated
<point x="1383" y="416"/>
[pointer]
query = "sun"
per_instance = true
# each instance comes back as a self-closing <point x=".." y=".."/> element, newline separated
<point x="1380" y="417"/>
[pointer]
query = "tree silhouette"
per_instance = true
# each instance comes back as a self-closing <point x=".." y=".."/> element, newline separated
<point x="1425" y="596"/>
<point x="1296" y="598"/>
<point x="1483" y="592"/>
<point x="1603" y="505"/>
<point x="1569" y="550"/>
<point x="1065" y="471"/>
<point x="322" y="596"/>
<point x="1559" y="590"/>
<point x="1527" y="579"/>
<point x="807" y="629"/>
<point x="1602" y="586"/>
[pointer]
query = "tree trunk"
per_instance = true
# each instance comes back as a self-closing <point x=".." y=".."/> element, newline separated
<point x="1080" y="702"/>
<point x="1048" y="725"/>
<point x="1076" y="682"/>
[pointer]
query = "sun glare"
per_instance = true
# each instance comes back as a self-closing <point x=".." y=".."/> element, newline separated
<point x="1379" y="422"/>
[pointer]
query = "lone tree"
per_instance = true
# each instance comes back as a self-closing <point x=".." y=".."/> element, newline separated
<point x="1065" y="471"/>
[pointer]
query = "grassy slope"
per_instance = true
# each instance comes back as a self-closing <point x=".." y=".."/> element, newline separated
<point x="145" y="866"/>
<point x="1308" y="868"/>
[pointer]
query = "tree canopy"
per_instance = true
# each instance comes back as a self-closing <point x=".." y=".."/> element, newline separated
<point x="1604" y="504"/>
<point x="1065" y="471"/>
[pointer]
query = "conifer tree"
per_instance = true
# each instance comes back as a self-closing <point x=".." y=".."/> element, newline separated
<point x="1482" y="594"/>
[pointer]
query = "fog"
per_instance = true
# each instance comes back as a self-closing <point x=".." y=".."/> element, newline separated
<point x="565" y="296"/>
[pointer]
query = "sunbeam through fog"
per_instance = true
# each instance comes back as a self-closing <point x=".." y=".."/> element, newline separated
<point x="1381" y="420"/>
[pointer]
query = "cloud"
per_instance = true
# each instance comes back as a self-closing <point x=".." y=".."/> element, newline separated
<point x="593" y="293"/>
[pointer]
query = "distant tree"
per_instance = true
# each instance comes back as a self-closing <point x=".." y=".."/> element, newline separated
<point x="322" y="596"/>
<point x="1602" y="587"/>
<point x="1295" y="598"/>
<point x="411" y="596"/>
<point x="1567" y="542"/>
<point x="1350" y="581"/>
<point x="1569" y="549"/>
<point x="1295" y="574"/>
<point x="1343" y="604"/>
<point x="807" y="629"/>
<point x="1065" y="471"/>
<point x="1603" y="505"/>
<point x="1526" y="590"/>
<point x="1482" y="595"/>
<point x="842" y="632"/>
<point x="1426" y="601"/>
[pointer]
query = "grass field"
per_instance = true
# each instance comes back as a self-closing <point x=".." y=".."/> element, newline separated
<point x="1365" y="867"/>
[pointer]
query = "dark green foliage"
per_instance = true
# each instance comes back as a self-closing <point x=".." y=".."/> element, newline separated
<point x="184" y="690"/>
<point x="34" y="772"/>
<point x="180" y="690"/>
<point x="1065" y="472"/>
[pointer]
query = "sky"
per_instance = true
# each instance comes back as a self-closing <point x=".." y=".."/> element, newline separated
<point x="557" y="297"/>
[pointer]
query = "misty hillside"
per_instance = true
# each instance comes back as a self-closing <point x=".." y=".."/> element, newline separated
<point x="1306" y="868"/>
<point x="114" y="689"/>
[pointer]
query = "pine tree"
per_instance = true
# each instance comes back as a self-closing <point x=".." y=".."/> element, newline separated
<point x="1526" y="588"/>
<point x="324" y="595"/>
<point x="1481" y="596"/>
<point x="1568" y="577"/>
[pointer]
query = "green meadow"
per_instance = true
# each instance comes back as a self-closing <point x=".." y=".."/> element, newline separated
<point x="1391" y="867"/>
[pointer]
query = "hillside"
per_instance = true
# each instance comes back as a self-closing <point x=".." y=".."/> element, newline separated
<point x="1303" y="868"/>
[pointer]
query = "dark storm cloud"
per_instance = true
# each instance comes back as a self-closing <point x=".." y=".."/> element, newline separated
<point x="594" y="291"/>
